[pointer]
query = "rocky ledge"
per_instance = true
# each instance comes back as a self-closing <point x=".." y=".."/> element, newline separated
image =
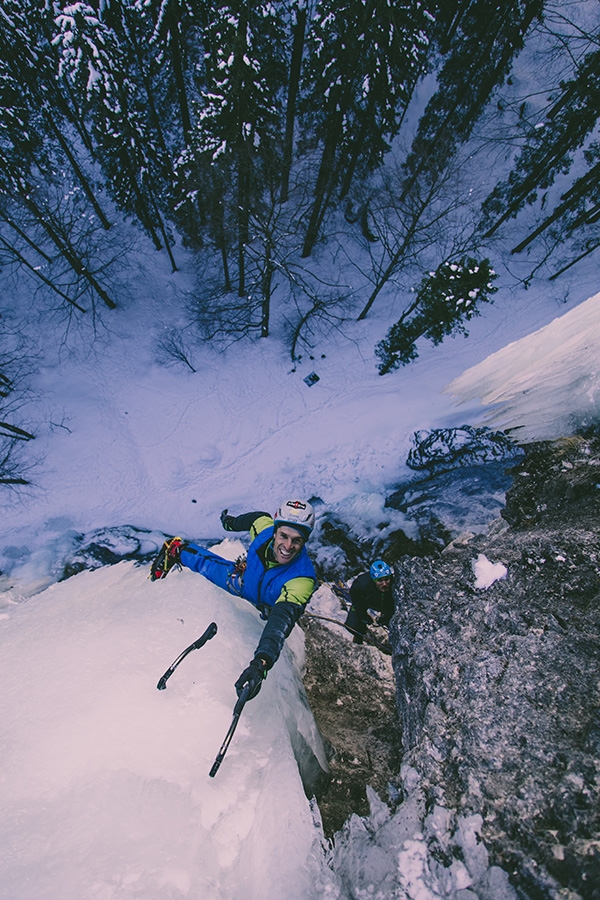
<point x="497" y="664"/>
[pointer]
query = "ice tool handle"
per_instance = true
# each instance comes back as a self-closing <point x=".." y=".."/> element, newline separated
<point x="237" y="711"/>
<point x="208" y="634"/>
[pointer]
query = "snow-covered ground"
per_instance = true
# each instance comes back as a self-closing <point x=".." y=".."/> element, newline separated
<point x="123" y="439"/>
<point x="544" y="385"/>
<point x="104" y="780"/>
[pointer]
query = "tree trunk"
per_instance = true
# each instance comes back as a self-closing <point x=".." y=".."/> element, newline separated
<point x="174" y="17"/>
<point x="142" y="211"/>
<point x="36" y="272"/>
<point x="22" y="235"/>
<point x="290" y="112"/>
<point x="68" y="251"/>
<point x="78" y="172"/>
<point x="266" y="291"/>
<point x="323" y="189"/>
<point x="17" y="434"/>
<point x="243" y="223"/>
<point x="355" y="154"/>
<point x="163" y="231"/>
<point x="576" y="260"/>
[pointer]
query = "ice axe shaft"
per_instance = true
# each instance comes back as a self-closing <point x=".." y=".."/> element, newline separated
<point x="237" y="711"/>
<point x="208" y="634"/>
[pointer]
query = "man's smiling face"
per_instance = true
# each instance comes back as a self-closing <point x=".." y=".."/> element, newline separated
<point x="287" y="544"/>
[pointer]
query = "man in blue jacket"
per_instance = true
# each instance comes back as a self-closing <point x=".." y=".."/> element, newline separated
<point x="277" y="576"/>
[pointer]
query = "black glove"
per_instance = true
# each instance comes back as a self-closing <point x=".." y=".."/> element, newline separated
<point x="227" y="521"/>
<point x="253" y="676"/>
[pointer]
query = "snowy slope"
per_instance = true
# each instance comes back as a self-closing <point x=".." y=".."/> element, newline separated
<point x="104" y="787"/>
<point x="121" y="439"/>
<point x="545" y="385"/>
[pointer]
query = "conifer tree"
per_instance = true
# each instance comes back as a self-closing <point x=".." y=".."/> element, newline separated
<point x="34" y="115"/>
<point x="444" y="301"/>
<point x="99" y="67"/>
<point x="480" y="42"/>
<point x="549" y="151"/>
<point x="174" y="34"/>
<point x="33" y="148"/>
<point x="298" y="15"/>
<point x="481" y="38"/>
<point x="364" y="59"/>
<point x="235" y="153"/>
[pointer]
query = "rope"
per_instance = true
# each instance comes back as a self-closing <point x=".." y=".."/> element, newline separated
<point x="366" y="637"/>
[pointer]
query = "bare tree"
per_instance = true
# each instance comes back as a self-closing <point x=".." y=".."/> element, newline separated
<point x="16" y="364"/>
<point x="435" y="221"/>
<point x="52" y="235"/>
<point x="173" y="349"/>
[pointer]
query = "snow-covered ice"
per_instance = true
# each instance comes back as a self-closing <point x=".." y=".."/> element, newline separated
<point x="104" y="784"/>
<point x="545" y="385"/>
<point x="487" y="572"/>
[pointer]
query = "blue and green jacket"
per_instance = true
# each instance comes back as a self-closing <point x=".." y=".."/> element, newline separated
<point x="280" y="592"/>
<point x="266" y="582"/>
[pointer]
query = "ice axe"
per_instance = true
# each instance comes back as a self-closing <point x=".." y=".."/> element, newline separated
<point x="208" y="634"/>
<point x="237" y="711"/>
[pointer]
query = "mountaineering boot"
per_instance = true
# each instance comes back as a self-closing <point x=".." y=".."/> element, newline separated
<point x="167" y="557"/>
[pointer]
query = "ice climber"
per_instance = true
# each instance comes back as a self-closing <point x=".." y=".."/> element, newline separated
<point x="371" y="590"/>
<point x="276" y="576"/>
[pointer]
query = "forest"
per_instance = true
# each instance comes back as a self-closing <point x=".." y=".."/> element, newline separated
<point x="314" y="157"/>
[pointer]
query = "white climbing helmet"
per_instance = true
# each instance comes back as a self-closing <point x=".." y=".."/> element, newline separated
<point x="299" y="514"/>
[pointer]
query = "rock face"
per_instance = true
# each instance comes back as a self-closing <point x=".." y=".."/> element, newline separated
<point x="498" y="685"/>
<point x="351" y="693"/>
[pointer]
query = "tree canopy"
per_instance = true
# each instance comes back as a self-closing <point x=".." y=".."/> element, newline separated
<point x="260" y="135"/>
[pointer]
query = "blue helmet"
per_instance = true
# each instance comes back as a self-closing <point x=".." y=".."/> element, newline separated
<point x="380" y="569"/>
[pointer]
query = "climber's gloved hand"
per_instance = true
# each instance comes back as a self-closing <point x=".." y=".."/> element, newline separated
<point x="253" y="676"/>
<point x="227" y="521"/>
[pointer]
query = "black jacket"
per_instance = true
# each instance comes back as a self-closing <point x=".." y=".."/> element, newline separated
<point x="365" y="595"/>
